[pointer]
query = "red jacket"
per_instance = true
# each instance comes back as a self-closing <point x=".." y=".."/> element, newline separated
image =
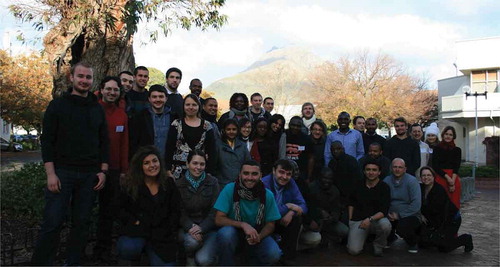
<point x="118" y="136"/>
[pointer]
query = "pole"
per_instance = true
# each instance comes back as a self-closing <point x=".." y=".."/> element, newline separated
<point x="475" y="142"/>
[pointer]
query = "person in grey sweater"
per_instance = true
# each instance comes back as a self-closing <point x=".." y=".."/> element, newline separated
<point x="406" y="200"/>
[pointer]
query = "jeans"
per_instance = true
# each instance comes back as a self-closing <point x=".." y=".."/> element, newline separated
<point x="205" y="252"/>
<point x="107" y="212"/>
<point x="130" y="248"/>
<point x="289" y="236"/>
<point x="267" y="252"/>
<point x="77" y="191"/>
<point x="356" y="239"/>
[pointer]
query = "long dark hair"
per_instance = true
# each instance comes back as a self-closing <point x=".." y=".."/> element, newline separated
<point x="135" y="175"/>
<point x="241" y="124"/>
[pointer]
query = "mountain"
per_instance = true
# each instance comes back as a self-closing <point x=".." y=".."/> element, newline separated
<point x="280" y="73"/>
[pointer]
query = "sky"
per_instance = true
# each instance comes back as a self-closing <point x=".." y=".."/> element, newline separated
<point x="419" y="34"/>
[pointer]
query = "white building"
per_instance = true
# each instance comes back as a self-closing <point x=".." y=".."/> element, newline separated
<point x="478" y="63"/>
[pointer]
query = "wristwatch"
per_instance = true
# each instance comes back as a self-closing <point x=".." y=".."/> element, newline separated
<point x="370" y="218"/>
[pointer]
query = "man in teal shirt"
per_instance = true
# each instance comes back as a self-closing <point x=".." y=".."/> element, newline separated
<point x="246" y="209"/>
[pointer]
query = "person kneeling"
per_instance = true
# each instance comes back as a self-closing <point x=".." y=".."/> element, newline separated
<point x="368" y="207"/>
<point x="291" y="206"/>
<point x="245" y="209"/>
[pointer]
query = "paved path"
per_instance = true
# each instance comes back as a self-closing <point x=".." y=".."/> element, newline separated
<point x="15" y="160"/>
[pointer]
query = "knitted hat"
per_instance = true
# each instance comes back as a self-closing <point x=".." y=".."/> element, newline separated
<point x="432" y="129"/>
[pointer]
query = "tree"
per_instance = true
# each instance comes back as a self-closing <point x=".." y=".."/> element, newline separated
<point x="371" y="86"/>
<point x="26" y="89"/>
<point x="156" y="76"/>
<point x="100" y="32"/>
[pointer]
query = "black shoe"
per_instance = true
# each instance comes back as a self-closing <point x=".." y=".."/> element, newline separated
<point x="469" y="246"/>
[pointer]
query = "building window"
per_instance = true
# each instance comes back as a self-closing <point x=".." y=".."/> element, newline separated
<point x="482" y="79"/>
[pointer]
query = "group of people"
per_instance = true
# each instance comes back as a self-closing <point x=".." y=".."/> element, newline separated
<point x="184" y="186"/>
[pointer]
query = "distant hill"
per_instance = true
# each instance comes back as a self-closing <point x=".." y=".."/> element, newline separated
<point x="280" y="73"/>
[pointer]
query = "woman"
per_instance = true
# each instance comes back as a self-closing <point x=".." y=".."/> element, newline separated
<point x="231" y="153"/>
<point x="446" y="159"/>
<point x="308" y="117"/>
<point x="264" y="150"/>
<point x="440" y="217"/>
<point x="318" y="137"/>
<point x="186" y="134"/>
<point x="149" y="211"/>
<point x="199" y="191"/>
<point x="238" y="109"/>
<point x="277" y="134"/>
<point x="245" y="126"/>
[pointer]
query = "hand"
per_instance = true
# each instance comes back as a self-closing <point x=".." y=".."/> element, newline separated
<point x="285" y="221"/>
<point x="102" y="179"/>
<point x="393" y="216"/>
<point x="365" y="224"/>
<point x="251" y="234"/>
<point x="295" y="208"/>
<point x="424" y="220"/>
<point x="53" y="183"/>
<point x="169" y="173"/>
<point x="122" y="178"/>
<point x="195" y="229"/>
<point x="451" y="188"/>
<point x="314" y="226"/>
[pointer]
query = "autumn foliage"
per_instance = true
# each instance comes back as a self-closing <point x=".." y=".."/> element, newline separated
<point x="371" y="86"/>
<point x="26" y="87"/>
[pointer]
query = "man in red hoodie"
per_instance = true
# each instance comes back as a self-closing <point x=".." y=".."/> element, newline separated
<point x="117" y="121"/>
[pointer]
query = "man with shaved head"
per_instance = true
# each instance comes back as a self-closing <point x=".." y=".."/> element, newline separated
<point x="406" y="199"/>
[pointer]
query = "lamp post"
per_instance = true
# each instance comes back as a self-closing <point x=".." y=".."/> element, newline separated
<point x="467" y="92"/>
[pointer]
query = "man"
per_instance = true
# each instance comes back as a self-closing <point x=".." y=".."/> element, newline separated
<point x="299" y="149"/>
<point x="375" y="153"/>
<point x="371" y="136"/>
<point x="209" y="113"/>
<point x="417" y="133"/>
<point x="368" y="208"/>
<point x="358" y="123"/>
<point x="255" y="110"/>
<point x="196" y="86"/>
<point x="323" y="200"/>
<point x="404" y="211"/>
<point x="291" y="205"/>
<point x="127" y="80"/>
<point x="137" y="98"/>
<point x="268" y="104"/>
<point x="246" y="211"/>
<point x="173" y="80"/>
<point x="403" y="146"/>
<point x="350" y="139"/>
<point x="117" y="121"/>
<point x="346" y="174"/>
<point x="75" y="152"/>
<point x="308" y="117"/>
<point x="151" y="126"/>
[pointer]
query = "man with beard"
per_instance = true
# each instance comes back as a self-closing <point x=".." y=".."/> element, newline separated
<point x="403" y="146"/>
<point x="375" y="153"/>
<point x="351" y="139"/>
<point x="268" y="104"/>
<point x="127" y="80"/>
<point x="173" y="80"/>
<point x="137" y="98"/>
<point x="246" y="210"/>
<point x="75" y="152"/>
<point x="209" y="113"/>
<point x="371" y="136"/>
<point x="151" y="126"/>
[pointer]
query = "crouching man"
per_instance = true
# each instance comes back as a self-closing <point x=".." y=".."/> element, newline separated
<point x="368" y="207"/>
<point x="246" y="210"/>
<point x="291" y="206"/>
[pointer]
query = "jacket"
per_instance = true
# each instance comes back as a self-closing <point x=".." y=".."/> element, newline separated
<point x="291" y="194"/>
<point x="228" y="160"/>
<point x="118" y="136"/>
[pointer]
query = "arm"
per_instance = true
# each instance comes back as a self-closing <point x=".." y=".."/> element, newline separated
<point x="53" y="182"/>
<point x="48" y="139"/>
<point x="208" y="223"/>
<point x="171" y="147"/>
<point x="415" y="198"/>
<point x="221" y="219"/>
<point x="416" y="160"/>
<point x="210" y="151"/>
<point x="360" y="149"/>
<point x="310" y="166"/>
<point x="124" y="146"/>
<point x="327" y="153"/>
<point x="266" y="230"/>
<point x="282" y="146"/>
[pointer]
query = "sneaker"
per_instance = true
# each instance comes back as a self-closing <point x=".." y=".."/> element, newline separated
<point x="391" y="240"/>
<point x="413" y="249"/>
<point x="469" y="246"/>
<point x="378" y="251"/>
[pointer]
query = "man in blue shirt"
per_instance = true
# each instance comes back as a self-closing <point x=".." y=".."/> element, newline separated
<point x="291" y="206"/>
<point x="246" y="209"/>
<point x="352" y="140"/>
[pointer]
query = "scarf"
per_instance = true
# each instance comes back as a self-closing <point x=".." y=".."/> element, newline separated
<point x="208" y="117"/>
<point x="308" y="122"/>
<point x="195" y="183"/>
<point x="235" y="112"/>
<point x="447" y="145"/>
<point x="257" y="192"/>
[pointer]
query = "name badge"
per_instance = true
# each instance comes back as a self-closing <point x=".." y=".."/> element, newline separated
<point x="302" y="148"/>
<point x="120" y="128"/>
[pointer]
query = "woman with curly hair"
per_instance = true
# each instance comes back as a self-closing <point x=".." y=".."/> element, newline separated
<point x="238" y="109"/>
<point x="149" y="211"/>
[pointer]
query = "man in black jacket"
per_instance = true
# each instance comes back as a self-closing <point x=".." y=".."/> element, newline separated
<point x="75" y="153"/>
<point x="151" y="126"/>
<point x="403" y="146"/>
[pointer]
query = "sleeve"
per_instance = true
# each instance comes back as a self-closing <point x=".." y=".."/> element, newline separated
<point x="360" y="149"/>
<point x="124" y="146"/>
<point x="298" y="198"/>
<point x="327" y="153"/>
<point x="49" y="132"/>
<point x="209" y="222"/>
<point x="224" y="201"/>
<point x="272" y="213"/>
<point x="175" y="207"/>
<point x="415" y="158"/>
<point x="415" y="198"/>
<point x="210" y="151"/>
<point x="437" y="156"/>
<point x="387" y="152"/>
<point x="282" y="147"/>
<point x="133" y="136"/>
<point x="457" y="158"/>
<point x="185" y="221"/>
<point x="385" y="196"/>
<point x="171" y="147"/>
<point x="103" y="137"/>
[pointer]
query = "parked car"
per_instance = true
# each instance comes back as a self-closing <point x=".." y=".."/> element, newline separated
<point x="16" y="138"/>
<point x="6" y="145"/>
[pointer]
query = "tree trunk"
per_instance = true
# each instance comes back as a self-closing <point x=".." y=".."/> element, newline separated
<point x="108" y="50"/>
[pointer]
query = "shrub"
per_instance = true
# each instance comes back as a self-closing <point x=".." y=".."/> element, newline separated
<point x="22" y="193"/>
<point x="481" y="171"/>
